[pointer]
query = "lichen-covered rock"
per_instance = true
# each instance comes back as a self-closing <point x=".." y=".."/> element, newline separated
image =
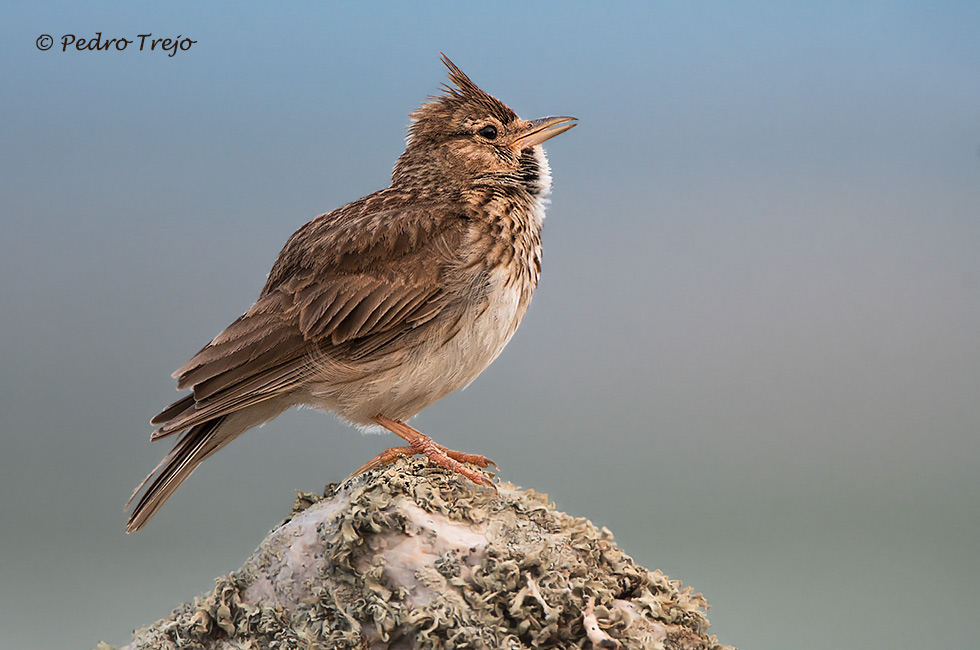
<point x="410" y="556"/>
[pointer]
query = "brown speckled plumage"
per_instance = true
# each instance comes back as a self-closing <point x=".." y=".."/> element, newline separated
<point x="377" y="309"/>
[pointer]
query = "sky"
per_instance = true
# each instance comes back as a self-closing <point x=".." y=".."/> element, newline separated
<point x="754" y="353"/>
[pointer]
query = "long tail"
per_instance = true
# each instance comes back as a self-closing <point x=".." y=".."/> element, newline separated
<point x="196" y="444"/>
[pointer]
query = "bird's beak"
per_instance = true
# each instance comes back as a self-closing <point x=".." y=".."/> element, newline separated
<point x="544" y="129"/>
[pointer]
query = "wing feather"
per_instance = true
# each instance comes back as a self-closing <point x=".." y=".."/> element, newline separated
<point x="274" y="382"/>
<point x="345" y="285"/>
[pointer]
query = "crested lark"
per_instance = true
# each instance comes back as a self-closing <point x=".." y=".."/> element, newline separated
<point x="380" y="308"/>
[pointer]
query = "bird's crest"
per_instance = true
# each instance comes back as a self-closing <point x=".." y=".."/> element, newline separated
<point x="463" y="93"/>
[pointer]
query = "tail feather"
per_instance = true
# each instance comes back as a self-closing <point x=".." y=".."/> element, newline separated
<point x="194" y="446"/>
<point x="197" y="442"/>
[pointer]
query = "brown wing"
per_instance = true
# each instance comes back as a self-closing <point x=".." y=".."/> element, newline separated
<point x="345" y="284"/>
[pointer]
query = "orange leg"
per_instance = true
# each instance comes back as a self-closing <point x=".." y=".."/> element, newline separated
<point x="423" y="444"/>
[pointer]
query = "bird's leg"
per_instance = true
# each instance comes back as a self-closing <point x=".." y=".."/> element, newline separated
<point x="423" y="444"/>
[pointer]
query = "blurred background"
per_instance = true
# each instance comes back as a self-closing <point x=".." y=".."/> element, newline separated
<point x="754" y="354"/>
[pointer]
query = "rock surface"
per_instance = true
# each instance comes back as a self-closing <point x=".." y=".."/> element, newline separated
<point x="410" y="556"/>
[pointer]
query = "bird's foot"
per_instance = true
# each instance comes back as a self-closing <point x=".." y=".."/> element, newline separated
<point x="384" y="458"/>
<point x="452" y="460"/>
<point x="423" y="444"/>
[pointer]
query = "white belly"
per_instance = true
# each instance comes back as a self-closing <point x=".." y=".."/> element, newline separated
<point x="430" y="371"/>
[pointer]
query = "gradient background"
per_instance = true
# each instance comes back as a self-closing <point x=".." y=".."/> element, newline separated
<point x="754" y="354"/>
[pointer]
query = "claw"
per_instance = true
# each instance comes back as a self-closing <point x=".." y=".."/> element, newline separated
<point x="423" y="444"/>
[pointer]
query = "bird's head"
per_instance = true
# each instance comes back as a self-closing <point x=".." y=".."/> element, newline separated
<point x="467" y="137"/>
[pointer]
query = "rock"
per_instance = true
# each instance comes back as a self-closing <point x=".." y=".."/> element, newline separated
<point x="410" y="556"/>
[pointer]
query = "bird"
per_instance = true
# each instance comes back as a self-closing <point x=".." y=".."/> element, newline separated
<point x="379" y="308"/>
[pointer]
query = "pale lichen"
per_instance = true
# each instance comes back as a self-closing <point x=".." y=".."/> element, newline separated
<point x="410" y="556"/>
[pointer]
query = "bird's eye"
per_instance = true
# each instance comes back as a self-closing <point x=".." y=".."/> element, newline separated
<point x="489" y="132"/>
